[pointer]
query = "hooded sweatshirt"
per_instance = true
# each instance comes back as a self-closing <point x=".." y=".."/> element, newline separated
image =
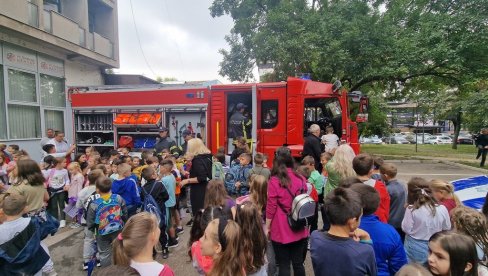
<point x="127" y="189"/>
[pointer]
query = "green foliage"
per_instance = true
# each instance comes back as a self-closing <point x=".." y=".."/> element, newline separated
<point x="377" y="121"/>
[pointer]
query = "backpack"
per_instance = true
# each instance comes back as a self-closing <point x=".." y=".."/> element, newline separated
<point x="235" y="174"/>
<point x="150" y="205"/>
<point x="302" y="210"/>
<point x="217" y="170"/>
<point x="108" y="215"/>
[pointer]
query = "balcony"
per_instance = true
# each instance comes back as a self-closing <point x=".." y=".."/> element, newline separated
<point x="33" y="14"/>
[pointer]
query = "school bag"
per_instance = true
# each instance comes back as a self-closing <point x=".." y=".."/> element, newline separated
<point x="217" y="170"/>
<point x="302" y="209"/>
<point x="236" y="173"/>
<point x="108" y="215"/>
<point x="150" y="205"/>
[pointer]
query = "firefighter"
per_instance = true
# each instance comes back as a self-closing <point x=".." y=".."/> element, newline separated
<point x="240" y="125"/>
<point x="187" y="135"/>
<point x="166" y="143"/>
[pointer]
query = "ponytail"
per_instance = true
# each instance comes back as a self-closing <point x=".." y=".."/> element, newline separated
<point x="133" y="238"/>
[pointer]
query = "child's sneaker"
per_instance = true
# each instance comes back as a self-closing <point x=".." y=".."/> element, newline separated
<point x="172" y="243"/>
<point x="74" y="225"/>
<point x="98" y="263"/>
<point x="180" y="230"/>
<point x="62" y="223"/>
<point x="165" y="253"/>
<point x="189" y="223"/>
<point x="85" y="266"/>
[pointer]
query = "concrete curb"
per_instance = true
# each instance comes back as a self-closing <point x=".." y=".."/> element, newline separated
<point x="58" y="237"/>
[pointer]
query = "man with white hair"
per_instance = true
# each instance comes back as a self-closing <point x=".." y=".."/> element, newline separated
<point x="311" y="145"/>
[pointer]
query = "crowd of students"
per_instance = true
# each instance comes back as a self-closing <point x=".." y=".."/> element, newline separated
<point x="372" y="223"/>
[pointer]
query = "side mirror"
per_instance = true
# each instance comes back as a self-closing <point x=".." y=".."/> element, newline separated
<point x="336" y="86"/>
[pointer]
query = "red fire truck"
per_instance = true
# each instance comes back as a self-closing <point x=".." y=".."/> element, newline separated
<point x="281" y="113"/>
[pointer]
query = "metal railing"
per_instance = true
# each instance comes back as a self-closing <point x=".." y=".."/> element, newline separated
<point x="33" y="11"/>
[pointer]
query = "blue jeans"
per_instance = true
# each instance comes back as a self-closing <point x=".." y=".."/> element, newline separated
<point x="417" y="250"/>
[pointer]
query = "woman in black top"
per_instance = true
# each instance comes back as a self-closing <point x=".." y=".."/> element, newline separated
<point x="200" y="172"/>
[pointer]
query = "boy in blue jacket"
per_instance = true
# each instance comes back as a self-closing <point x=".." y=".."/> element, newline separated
<point x="237" y="179"/>
<point x="387" y="244"/>
<point x="126" y="187"/>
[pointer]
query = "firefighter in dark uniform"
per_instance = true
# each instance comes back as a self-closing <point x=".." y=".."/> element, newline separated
<point x="186" y="134"/>
<point x="239" y="124"/>
<point x="166" y="143"/>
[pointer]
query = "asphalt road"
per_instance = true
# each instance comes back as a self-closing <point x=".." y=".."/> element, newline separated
<point x="67" y="252"/>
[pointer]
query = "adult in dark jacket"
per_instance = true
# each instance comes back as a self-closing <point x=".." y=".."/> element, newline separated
<point x="165" y="142"/>
<point x="311" y="146"/>
<point x="482" y="144"/>
<point x="239" y="125"/>
<point x="200" y="172"/>
<point x="187" y="135"/>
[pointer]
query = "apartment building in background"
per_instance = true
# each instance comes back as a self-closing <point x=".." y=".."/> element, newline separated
<point x="45" y="46"/>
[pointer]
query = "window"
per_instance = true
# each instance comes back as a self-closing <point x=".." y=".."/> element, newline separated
<point x="3" y="114"/>
<point x="52" y="91"/>
<point x="24" y="121"/>
<point x="269" y="114"/>
<point x="54" y="119"/>
<point x="22" y="86"/>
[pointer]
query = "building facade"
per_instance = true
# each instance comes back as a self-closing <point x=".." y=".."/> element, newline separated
<point x="45" y="46"/>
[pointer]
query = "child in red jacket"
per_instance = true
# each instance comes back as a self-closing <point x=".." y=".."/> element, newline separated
<point x="363" y="165"/>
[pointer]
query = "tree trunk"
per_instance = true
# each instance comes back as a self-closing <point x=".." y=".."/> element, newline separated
<point x="457" y="129"/>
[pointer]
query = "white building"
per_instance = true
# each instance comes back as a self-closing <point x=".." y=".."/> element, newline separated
<point x="45" y="46"/>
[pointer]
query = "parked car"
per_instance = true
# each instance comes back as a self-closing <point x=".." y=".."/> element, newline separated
<point x="439" y="140"/>
<point x="465" y="140"/>
<point x="370" y="140"/>
<point x="395" y="140"/>
<point x="427" y="136"/>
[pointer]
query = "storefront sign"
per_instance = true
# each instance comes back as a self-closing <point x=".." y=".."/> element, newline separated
<point x="19" y="58"/>
<point x="50" y="66"/>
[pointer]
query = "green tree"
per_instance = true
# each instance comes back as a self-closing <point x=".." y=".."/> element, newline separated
<point x="395" y="46"/>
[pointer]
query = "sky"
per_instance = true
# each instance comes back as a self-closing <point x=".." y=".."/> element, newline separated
<point x="179" y="39"/>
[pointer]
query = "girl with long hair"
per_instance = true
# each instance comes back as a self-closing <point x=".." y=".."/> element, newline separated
<point x="221" y="240"/>
<point x="470" y="222"/>
<point x="452" y="254"/>
<point x="258" y="193"/>
<point x="423" y="217"/>
<point x="203" y="264"/>
<point x="3" y="172"/>
<point x="200" y="172"/>
<point x="81" y="159"/>
<point x="135" y="244"/>
<point x="253" y="240"/>
<point x="288" y="244"/>
<point x="216" y="195"/>
<point x="339" y="167"/>
<point x="443" y="192"/>
<point x="30" y="184"/>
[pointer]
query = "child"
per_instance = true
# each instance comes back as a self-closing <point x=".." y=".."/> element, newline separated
<point x="126" y="187"/>
<point x="176" y="209"/>
<point x="472" y="223"/>
<point x="215" y="195"/>
<point x="3" y="173"/>
<point x="124" y="151"/>
<point x="363" y="166"/>
<point x="324" y="159"/>
<point x="202" y="264"/>
<point x="443" y="192"/>
<point x="114" y="175"/>
<point x="238" y="182"/>
<point x="86" y="196"/>
<point x="21" y="252"/>
<point x="134" y="246"/>
<point x="258" y="168"/>
<point x="398" y="196"/>
<point x="453" y="254"/>
<point x="50" y="149"/>
<point x="105" y="217"/>
<point x="240" y="148"/>
<point x="137" y="167"/>
<point x="3" y="149"/>
<point x="221" y="241"/>
<point x="315" y="178"/>
<point x="220" y="157"/>
<point x="387" y="245"/>
<point x="81" y="159"/>
<point x="58" y="184"/>
<point x="160" y="195"/>
<point x="344" y="249"/>
<point x="330" y="140"/>
<point x="378" y="162"/>
<point x="253" y="239"/>
<point x="422" y="219"/>
<point x="169" y="183"/>
<point x="75" y="186"/>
